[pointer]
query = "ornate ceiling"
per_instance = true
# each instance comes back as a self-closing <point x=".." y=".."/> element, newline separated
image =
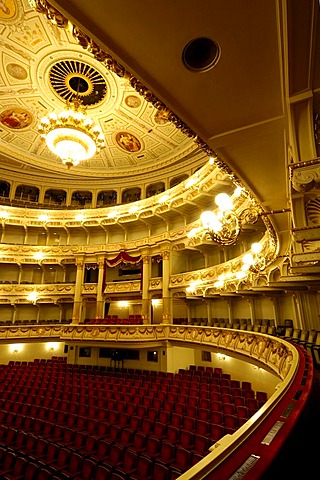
<point x="41" y="67"/>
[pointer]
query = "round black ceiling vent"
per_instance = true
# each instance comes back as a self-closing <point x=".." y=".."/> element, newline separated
<point x="72" y="78"/>
<point x="200" y="54"/>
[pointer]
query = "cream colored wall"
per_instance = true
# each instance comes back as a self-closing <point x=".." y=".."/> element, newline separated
<point x="240" y="308"/>
<point x="182" y="358"/>
<point x="29" y="351"/>
<point x="26" y="312"/>
<point x="263" y="308"/>
<point x="219" y="308"/>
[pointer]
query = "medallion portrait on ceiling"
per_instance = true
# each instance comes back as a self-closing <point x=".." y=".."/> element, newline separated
<point x="133" y="101"/>
<point x="128" y="142"/>
<point x="16" y="71"/>
<point x="7" y="9"/>
<point x="15" y="118"/>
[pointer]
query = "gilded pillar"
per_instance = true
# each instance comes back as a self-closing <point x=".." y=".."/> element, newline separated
<point x="146" y="303"/>
<point x="76" y="315"/>
<point x="166" y="299"/>
<point x="100" y="298"/>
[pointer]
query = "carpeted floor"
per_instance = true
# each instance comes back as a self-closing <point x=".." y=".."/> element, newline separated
<point x="299" y="459"/>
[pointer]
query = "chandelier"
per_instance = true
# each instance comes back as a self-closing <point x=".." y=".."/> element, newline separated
<point x="70" y="134"/>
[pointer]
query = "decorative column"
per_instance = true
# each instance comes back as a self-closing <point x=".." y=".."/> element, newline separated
<point x="76" y="314"/>
<point x="230" y="310"/>
<point x="14" y="315"/>
<point x="252" y="310"/>
<point x="166" y="299"/>
<point x="100" y="297"/>
<point x="146" y="303"/>
<point x="208" y="312"/>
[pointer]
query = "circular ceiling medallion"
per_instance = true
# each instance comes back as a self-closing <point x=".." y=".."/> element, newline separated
<point x="72" y="78"/>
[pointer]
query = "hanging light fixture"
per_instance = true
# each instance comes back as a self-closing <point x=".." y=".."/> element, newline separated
<point x="71" y="135"/>
<point x="224" y="225"/>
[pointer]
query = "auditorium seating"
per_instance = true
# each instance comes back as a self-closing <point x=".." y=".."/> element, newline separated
<point x="129" y="434"/>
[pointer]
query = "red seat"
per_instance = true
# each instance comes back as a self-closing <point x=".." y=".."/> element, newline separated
<point x="30" y="472"/>
<point x="173" y="434"/>
<point x="129" y="463"/>
<point x="167" y="452"/>
<point x="176" y="419"/>
<point x="79" y="441"/>
<point x="19" y="441"/>
<point x="153" y="446"/>
<point x="143" y="470"/>
<point x="115" y="456"/>
<point x="228" y="408"/>
<point x="188" y="423"/>
<point x="102" y="473"/>
<point x="159" y="430"/>
<point x="242" y="412"/>
<point x="161" y="471"/>
<point x="182" y="460"/>
<point x="88" y="470"/>
<point x="17" y="469"/>
<point x="74" y="466"/>
<point x="49" y="456"/>
<point x="30" y="444"/>
<point x="61" y="461"/>
<point x="102" y="450"/>
<point x="239" y="400"/>
<point x="139" y="441"/>
<point x="180" y="408"/>
<point x="246" y="385"/>
<point x="164" y="416"/>
<point x="7" y="463"/>
<point x="201" y="445"/>
<point x="89" y="447"/>
<point x="146" y="426"/>
<point x="231" y="423"/>
<point x="186" y="439"/>
<point x="114" y="433"/>
<point x="216" y="432"/>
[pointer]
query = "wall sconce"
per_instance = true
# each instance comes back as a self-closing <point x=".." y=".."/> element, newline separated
<point x="221" y="356"/>
<point x="253" y="261"/>
<point x="155" y="302"/>
<point x="193" y="286"/>
<point x="79" y="217"/>
<point x="38" y="256"/>
<point x="33" y="297"/>
<point x="52" y="346"/>
<point x="43" y="218"/>
<point x="15" y="348"/>
<point x="123" y="304"/>
<point x="4" y="215"/>
<point x="224" y="226"/>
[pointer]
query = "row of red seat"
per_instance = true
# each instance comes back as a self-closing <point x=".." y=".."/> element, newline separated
<point x="32" y="458"/>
